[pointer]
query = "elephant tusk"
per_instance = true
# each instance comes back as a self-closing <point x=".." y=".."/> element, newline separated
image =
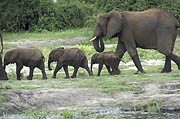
<point x="93" y="38"/>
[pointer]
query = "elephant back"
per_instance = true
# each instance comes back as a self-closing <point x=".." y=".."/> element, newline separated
<point x="73" y="54"/>
<point x="29" y="53"/>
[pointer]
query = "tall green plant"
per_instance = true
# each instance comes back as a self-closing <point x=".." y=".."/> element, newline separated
<point x="17" y="15"/>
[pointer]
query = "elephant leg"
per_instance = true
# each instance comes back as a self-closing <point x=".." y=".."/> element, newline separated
<point x="165" y="45"/>
<point x="3" y="74"/>
<point x="100" y="68"/>
<point x="58" y="67"/>
<point x="121" y="49"/>
<point x="115" y="71"/>
<point x="18" y="70"/>
<point x="137" y="64"/>
<point x="75" y="72"/>
<point x="134" y="56"/>
<point x="115" y="66"/>
<point x="176" y="59"/>
<point x="66" y="71"/>
<point x="42" y="68"/>
<point x="167" y="66"/>
<point x="109" y="69"/>
<point x="85" y="66"/>
<point x="31" y="73"/>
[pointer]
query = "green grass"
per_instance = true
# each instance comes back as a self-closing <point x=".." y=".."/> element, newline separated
<point x="104" y="83"/>
<point x="35" y="36"/>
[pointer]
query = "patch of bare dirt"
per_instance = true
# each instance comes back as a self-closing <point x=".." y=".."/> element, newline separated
<point x="82" y="98"/>
<point x="61" y="42"/>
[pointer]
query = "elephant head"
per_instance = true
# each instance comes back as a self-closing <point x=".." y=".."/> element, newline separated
<point x="109" y="25"/>
<point x="54" y="55"/>
<point x="96" y="58"/>
<point x="10" y="57"/>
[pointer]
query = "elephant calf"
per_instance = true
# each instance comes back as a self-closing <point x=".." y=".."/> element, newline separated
<point x="68" y="57"/>
<point x="30" y="57"/>
<point x="110" y="59"/>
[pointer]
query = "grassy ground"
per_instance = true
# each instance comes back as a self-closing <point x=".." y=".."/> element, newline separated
<point x="89" y="50"/>
<point x="35" y="36"/>
<point x="105" y="83"/>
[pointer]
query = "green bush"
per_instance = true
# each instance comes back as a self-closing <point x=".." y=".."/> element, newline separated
<point x="18" y="16"/>
<point x="45" y="15"/>
<point x="173" y="6"/>
<point x="69" y="16"/>
<point x="88" y="50"/>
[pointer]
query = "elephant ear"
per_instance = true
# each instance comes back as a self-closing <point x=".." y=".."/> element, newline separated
<point x="103" y="23"/>
<point x="58" y="53"/>
<point x="115" y="24"/>
<point x="12" y="56"/>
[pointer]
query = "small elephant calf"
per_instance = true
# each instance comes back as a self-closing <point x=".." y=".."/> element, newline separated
<point x="68" y="57"/>
<point x="30" y="57"/>
<point x="110" y="59"/>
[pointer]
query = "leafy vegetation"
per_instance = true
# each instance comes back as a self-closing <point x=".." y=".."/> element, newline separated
<point x="45" y="15"/>
<point x="40" y="20"/>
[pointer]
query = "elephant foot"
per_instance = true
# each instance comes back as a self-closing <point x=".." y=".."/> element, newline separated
<point x="165" y="70"/>
<point x="116" y="72"/>
<point x="5" y="78"/>
<point x="139" y="71"/>
<point x="29" y="78"/>
<point x="73" y="76"/>
<point x="44" y="78"/>
<point x="91" y="74"/>
<point x="21" y="75"/>
<point x="67" y="77"/>
<point x="54" y="77"/>
<point x="18" y="79"/>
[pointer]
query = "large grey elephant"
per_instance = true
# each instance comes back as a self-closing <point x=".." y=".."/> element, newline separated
<point x="3" y="74"/>
<point x="30" y="57"/>
<point x="151" y="29"/>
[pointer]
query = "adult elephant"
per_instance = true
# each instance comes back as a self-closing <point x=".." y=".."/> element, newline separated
<point x="151" y="29"/>
<point x="3" y="74"/>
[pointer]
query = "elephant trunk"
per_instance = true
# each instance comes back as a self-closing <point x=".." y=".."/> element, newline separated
<point x="96" y="44"/>
<point x="49" y="65"/>
<point x="5" y="63"/>
<point x="1" y="43"/>
<point x="4" y="67"/>
<point x="92" y="62"/>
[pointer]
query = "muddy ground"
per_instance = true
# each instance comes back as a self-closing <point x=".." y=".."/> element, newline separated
<point x="81" y="98"/>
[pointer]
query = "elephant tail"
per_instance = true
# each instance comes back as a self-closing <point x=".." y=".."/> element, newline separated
<point x="43" y="58"/>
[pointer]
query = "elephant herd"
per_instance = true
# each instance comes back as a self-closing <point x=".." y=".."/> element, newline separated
<point x="33" y="58"/>
<point x="150" y="29"/>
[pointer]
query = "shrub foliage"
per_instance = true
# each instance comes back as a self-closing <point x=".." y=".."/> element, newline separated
<point x="40" y="15"/>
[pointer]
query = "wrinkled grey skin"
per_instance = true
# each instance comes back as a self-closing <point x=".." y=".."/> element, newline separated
<point x="150" y="29"/>
<point x="110" y="59"/>
<point x="3" y="74"/>
<point x="30" y="57"/>
<point x="68" y="57"/>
